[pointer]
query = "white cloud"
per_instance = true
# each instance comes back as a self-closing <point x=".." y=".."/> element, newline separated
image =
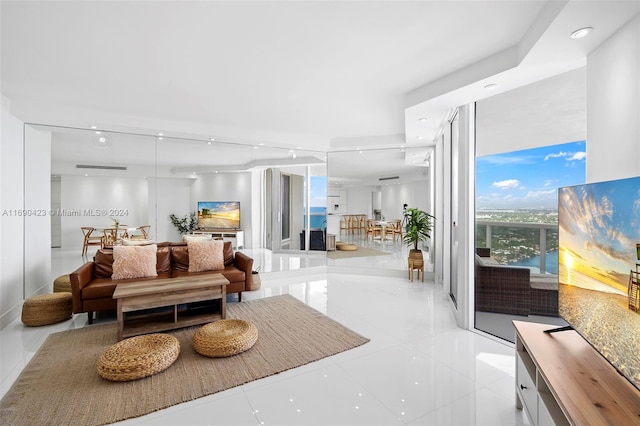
<point x="507" y="184"/>
<point x="578" y="156"/>
<point x="558" y="155"/>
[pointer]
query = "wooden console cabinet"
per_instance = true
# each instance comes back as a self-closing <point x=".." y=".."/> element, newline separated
<point x="561" y="379"/>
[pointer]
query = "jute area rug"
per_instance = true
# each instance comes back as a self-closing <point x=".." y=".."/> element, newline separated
<point x="61" y="386"/>
<point x="361" y="252"/>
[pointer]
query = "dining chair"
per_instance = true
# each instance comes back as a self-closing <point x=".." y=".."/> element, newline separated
<point x="397" y="229"/>
<point x="89" y="239"/>
<point x="144" y="229"/>
<point x="372" y="229"/>
<point x="111" y="235"/>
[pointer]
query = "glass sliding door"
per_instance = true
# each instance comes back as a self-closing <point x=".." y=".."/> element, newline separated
<point x="529" y="142"/>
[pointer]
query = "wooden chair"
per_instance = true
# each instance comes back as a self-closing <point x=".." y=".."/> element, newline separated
<point x="396" y="229"/>
<point x="89" y="239"/>
<point x="111" y="235"/>
<point x="372" y="229"/>
<point x="144" y="232"/>
<point x="345" y="221"/>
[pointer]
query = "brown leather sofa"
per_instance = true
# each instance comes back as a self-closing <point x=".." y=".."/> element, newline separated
<point x="92" y="287"/>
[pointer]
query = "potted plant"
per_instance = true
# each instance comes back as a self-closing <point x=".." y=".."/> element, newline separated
<point x="417" y="228"/>
<point x="185" y="224"/>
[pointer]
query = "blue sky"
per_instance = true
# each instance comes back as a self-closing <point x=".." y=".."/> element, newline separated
<point x="318" y="191"/>
<point x="529" y="178"/>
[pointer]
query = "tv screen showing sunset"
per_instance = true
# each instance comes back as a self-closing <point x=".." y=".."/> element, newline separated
<point x="599" y="230"/>
<point x="219" y="215"/>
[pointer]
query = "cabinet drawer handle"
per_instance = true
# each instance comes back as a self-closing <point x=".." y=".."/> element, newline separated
<point x="523" y="387"/>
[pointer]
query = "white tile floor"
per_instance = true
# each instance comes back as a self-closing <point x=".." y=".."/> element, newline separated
<point x="418" y="369"/>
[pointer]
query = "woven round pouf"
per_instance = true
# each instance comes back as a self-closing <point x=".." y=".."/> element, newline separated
<point x="46" y="309"/>
<point x="347" y="247"/>
<point x="138" y="357"/>
<point x="225" y="338"/>
<point x="62" y="283"/>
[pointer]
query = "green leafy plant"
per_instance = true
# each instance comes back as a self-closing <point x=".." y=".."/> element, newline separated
<point x="186" y="223"/>
<point x="417" y="228"/>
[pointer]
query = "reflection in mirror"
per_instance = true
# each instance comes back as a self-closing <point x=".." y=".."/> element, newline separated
<point x="529" y="142"/>
<point x="91" y="178"/>
<point x="375" y="185"/>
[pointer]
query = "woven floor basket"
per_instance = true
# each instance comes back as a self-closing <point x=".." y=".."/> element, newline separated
<point x="62" y="283"/>
<point x="225" y="338"/>
<point x="138" y="357"/>
<point x="47" y="309"/>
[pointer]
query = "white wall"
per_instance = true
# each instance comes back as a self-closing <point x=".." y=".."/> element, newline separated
<point x="11" y="226"/>
<point x="613" y="106"/>
<point x="37" y="201"/>
<point x="415" y="194"/>
<point x="93" y="200"/>
<point x="166" y="197"/>
<point x="226" y="187"/>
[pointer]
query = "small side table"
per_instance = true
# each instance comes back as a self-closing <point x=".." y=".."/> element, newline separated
<point x="331" y="242"/>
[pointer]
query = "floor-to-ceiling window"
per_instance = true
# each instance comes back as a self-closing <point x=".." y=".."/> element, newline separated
<point x="529" y="142"/>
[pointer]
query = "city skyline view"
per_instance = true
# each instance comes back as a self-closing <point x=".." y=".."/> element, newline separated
<point x="529" y="179"/>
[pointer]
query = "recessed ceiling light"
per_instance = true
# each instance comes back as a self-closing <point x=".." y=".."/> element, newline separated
<point x="94" y="127"/>
<point x="98" y="132"/>
<point x="261" y="144"/>
<point x="255" y="147"/>
<point x="491" y="86"/>
<point x="582" y="32"/>
<point x="422" y="120"/>
<point x="212" y="139"/>
<point x="209" y="143"/>
<point x="418" y="137"/>
<point x="160" y="134"/>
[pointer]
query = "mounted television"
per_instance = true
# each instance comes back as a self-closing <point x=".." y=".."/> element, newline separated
<point x="218" y="215"/>
<point x="599" y="229"/>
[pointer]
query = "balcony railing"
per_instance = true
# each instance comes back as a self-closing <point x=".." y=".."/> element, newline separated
<point x="514" y="241"/>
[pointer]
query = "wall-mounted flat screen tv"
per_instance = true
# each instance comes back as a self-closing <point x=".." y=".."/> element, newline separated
<point x="218" y="215"/>
<point x="599" y="229"/>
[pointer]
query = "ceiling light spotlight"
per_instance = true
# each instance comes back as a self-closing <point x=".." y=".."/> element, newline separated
<point x="102" y="140"/>
<point x="582" y="32"/>
<point x="94" y="127"/>
<point x="422" y="120"/>
<point x="255" y="147"/>
<point x="261" y="144"/>
<point x="212" y="139"/>
<point x="491" y="86"/>
<point x="160" y="134"/>
<point x="209" y="143"/>
<point x="98" y="132"/>
<point x="418" y="137"/>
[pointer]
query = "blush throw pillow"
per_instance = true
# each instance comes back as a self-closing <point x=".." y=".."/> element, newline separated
<point x="134" y="262"/>
<point x="205" y="255"/>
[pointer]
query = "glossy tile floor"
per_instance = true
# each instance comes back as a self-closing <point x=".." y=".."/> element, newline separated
<point x="418" y="369"/>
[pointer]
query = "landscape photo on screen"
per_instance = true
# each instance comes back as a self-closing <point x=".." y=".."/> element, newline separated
<point x="599" y="230"/>
<point x="218" y="214"/>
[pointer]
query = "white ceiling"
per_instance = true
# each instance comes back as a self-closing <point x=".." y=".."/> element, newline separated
<point x="322" y="75"/>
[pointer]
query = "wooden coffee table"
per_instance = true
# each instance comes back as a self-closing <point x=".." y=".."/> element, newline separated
<point x="168" y="292"/>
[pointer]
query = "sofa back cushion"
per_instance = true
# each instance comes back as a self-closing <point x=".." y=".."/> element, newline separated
<point x="134" y="262"/>
<point x="205" y="256"/>
<point x="180" y="256"/>
<point x="103" y="261"/>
